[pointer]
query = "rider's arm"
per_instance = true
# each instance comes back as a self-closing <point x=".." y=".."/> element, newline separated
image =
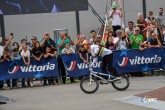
<point x="95" y="51"/>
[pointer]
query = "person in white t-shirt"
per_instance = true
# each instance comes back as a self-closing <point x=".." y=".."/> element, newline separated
<point x="1" y="48"/>
<point x="115" y="17"/>
<point x="121" y="43"/>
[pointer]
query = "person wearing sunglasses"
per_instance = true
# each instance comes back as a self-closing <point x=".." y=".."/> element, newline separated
<point x="136" y="39"/>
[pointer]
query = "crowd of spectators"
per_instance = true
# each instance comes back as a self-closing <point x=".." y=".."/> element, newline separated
<point x="145" y="33"/>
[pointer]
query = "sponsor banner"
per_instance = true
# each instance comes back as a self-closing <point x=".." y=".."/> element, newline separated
<point x="124" y="61"/>
<point x="16" y="69"/>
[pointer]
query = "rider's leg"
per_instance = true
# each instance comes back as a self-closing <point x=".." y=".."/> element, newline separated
<point x="109" y="60"/>
<point x="103" y="67"/>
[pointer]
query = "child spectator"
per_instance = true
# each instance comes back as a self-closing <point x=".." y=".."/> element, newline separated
<point x="110" y="44"/>
<point x="81" y="52"/>
<point x="68" y="50"/>
<point x="37" y="51"/>
<point x="15" y="57"/>
<point x="49" y="53"/>
<point x="25" y="54"/>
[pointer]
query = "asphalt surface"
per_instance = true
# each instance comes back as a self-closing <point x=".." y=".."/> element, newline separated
<point x="70" y="97"/>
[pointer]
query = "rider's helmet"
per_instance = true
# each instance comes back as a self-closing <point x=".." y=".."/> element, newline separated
<point x="85" y="42"/>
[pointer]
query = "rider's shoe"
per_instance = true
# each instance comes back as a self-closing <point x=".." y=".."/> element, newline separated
<point x="114" y="78"/>
<point x="103" y="82"/>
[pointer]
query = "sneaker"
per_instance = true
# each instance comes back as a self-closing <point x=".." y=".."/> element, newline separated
<point x="103" y="82"/>
<point x="114" y="78"/>
<point x="31" y="84"/>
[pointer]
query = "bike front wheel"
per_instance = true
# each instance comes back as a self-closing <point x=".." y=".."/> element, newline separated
<point x="88" y="86"/>
<point x="122" y="83"/>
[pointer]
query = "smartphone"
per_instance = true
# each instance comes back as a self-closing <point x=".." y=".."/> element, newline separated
<point x="11" y="34"/>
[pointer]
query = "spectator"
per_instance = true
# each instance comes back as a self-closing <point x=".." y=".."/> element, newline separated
<point x="115" y="16"/>
<point x="61" y="44"/>
<point x="120" y="42"/>
<point x="154" y="41"/>
<point x="6" y="57"/>
<point x="130" y="30"/>
<point x="49" y="54"/>
<point x="93" y="37"/>
<point x="163" y="37"/>
<point x="136" y="40"/>
<point x="142" y="24"/>
<point x="160" y="21"/>
<point x="24" y="42"/>
<point x="109" y="44"/>
<point x="15" y="57"/>
<point x="1" y="47"/>
<point x="34" y="41"/>
<point x="37" y="51"/>
<point x="100" y="40"/>
<point x="150" y="18"/>
<point x="82" y="51"/>
<point x="68" y="50"/>
<point x="47" y="41"/>
<point x="15" y="45"/>
<point x="25" y="54"/>
<point x="79" y="41"/>
<point x="106" y="35"/>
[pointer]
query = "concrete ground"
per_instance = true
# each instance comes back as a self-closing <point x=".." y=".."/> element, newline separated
<point x="70" y="97"/>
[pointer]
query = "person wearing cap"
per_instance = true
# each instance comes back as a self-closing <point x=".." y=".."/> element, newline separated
<point x="93" y="37"/>
<point x="107" y="57"/>
<point x="115" y="16"/>
<point x="136" y="40"/>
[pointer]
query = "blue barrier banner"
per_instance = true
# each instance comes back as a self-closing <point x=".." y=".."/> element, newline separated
<point x="124" y="61"/>
<point x="16" y="69"/>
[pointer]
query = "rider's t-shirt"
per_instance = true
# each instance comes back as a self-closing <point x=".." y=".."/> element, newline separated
<point x="97" y="50"/>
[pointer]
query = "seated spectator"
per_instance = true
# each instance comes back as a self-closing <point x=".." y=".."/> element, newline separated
<point x="120" y="42"/>
<point x="49" y="54"/>
<point x="68" y="50"/>
<point x="81" y="52"/>
<point x="154" y="41"/>
<point x="109" y="44"/>
<point x="15" y="57"/>
<point x="25" y="54"/>
<point x="37" y="51"/>
<point x="136" y="39"/>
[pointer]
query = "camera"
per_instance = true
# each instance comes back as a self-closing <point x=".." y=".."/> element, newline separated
<point x="47" y="34"/>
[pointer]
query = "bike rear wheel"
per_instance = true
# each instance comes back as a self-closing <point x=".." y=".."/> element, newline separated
<point x="122" y="83"/>
<point x="88" y="86"/>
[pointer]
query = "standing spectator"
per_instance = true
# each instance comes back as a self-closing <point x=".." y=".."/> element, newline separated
<point x="47" y="42"/>
<point x="109" y="44"/>
<point x="136" y="39"/>
<point x="34" y="41"/>
<point x="115" y="16"/>
<point x="105" y="35"/>
<point x="160" y="22"/>
<point x="24" y="42"/>
<point x="37" y="51"/>
<point x="68" y="50"/>
<point x="25" y="54"/>
<point x="79" y="41"/>
<point x="163" y="37"/>
<point x="1" y="47"/>
<point x="142" y="24"/>
<point x="130" y="30"/>
<point x="150" y="18"/>
<point x="49" y="54"/>
<point x="93" y="37"/>
<point x="120" y="42"/>
<point x="81" y="52"/>
<point x="15" y="57"/>
<point x="15" y="45"/>
<point x="61" y="44"/>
